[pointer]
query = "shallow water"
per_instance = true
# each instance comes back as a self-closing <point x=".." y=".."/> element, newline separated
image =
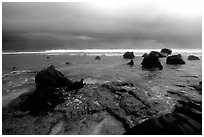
<point x="109" y="68"/>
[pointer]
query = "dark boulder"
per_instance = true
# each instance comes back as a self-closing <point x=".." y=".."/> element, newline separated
<point x="50" y="77"/>
<point x="131" y="63"/>
<point x="68" y="63"/>
<point x="48" y="57"/>
<point x="128" y="55"/>
<point x="166" y="51"/>
<point x="175" y="59"/>
<point x="158" y="54"/>
<point x="77" y="85"/>
<point x="46" y="98"/>
<point x="192" y="57"/>
<point x="14" y="68"/>
<point x="144" y="55"/>
<point x="97" y="58"/>
<point x="152" y="61"/>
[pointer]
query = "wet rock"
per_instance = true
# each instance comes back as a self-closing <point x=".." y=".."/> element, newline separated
<point x="131" y="63"/>
<point x="152" y="61"/>
<point x="185" y="120"/>
<point x="14" y="68"/>
<point x="68" y="63"/>
<point x="198" y="87"/>
<point x="157" y="54"/>
<point x="77" y="85"/>
<point x="97" y="57"/>
<point x="166" y="51"/>
<point x="192" y="57"/>
<point x="50" y="77"/>
<point x="190" y="108"/>
<point x="128" y="55"/>
<point x="169" y="124"/>
<point x="144" y="55"/>
<point x="175" y="59"/>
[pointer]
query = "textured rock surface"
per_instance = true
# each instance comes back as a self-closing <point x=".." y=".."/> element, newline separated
<point x="192" y="57"/>
<point x="128" y="55"/>
<point x="167" y="51"/>
<point x="152" y="61"/>
<point x="175" y="59"/>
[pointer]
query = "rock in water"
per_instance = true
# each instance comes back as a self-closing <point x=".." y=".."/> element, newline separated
<point x="158" y="54"/>
<point x="77" y="85"/>
<point x="97" y="58"/>
<point x="144" y="55"/>
<point x="185" y="120"/>
<point x="151" y="61"/>
<point x="175" y="59"/>
<point x="131" y="63"/>
<point x="192" y="57"/>
<point x="14" y="68"/>
<point x="50" y="77"/>
<point x="166" y="51"/>
<point x="198" y="87"/>
<point x="128" y="55"/>
<point x="68" y="63"/>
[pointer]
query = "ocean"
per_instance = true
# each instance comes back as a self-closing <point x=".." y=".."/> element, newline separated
<point x="19" y="69"/>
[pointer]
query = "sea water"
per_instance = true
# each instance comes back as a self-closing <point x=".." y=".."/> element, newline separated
<point x="111" y="67"/>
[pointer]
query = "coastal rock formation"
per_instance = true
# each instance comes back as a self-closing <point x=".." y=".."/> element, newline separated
<point x="166" y="51"/>
<point x="192" y="57"/>
<point x="144" y="55"/>
<point x="157" y="54"/>
<point x="97" y="57"/>
<point x="100" y="109"/>
<point x="185" y="120"/>
<point x="198" y="87"/>
<point x="50" y="77"/>
<point x="151" y="61"/>
<point x="131" y="63"/>
<point x="175" y="59"/>
<point x="128" y="55"/>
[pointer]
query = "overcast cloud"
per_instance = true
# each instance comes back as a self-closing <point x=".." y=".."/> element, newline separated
<point x="149" y="24"/>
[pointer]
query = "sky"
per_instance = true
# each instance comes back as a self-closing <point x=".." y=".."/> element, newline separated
<point x="139" y="24"/>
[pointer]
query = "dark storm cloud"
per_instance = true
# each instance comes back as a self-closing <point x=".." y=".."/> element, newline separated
<point x="33" y="26"/>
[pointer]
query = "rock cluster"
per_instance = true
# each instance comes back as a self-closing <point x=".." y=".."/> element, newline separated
<point x="152" y="61"/>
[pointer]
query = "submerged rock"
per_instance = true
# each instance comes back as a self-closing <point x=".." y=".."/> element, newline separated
<point x="50" y="77"/>
<point x="128" y="55"/>
<point x="152" y="61"/>
<point x="131" y="63"/>
<point x="192" y="57"/>
<point x="175" y="59"/>
<point x="166" y="51"/>
<point x="97" y="57"/>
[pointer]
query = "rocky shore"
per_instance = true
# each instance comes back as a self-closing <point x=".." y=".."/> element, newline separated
<point x="59" y="106"/>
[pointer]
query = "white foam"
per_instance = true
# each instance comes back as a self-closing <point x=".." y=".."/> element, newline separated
<point x="106" y="52"/>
